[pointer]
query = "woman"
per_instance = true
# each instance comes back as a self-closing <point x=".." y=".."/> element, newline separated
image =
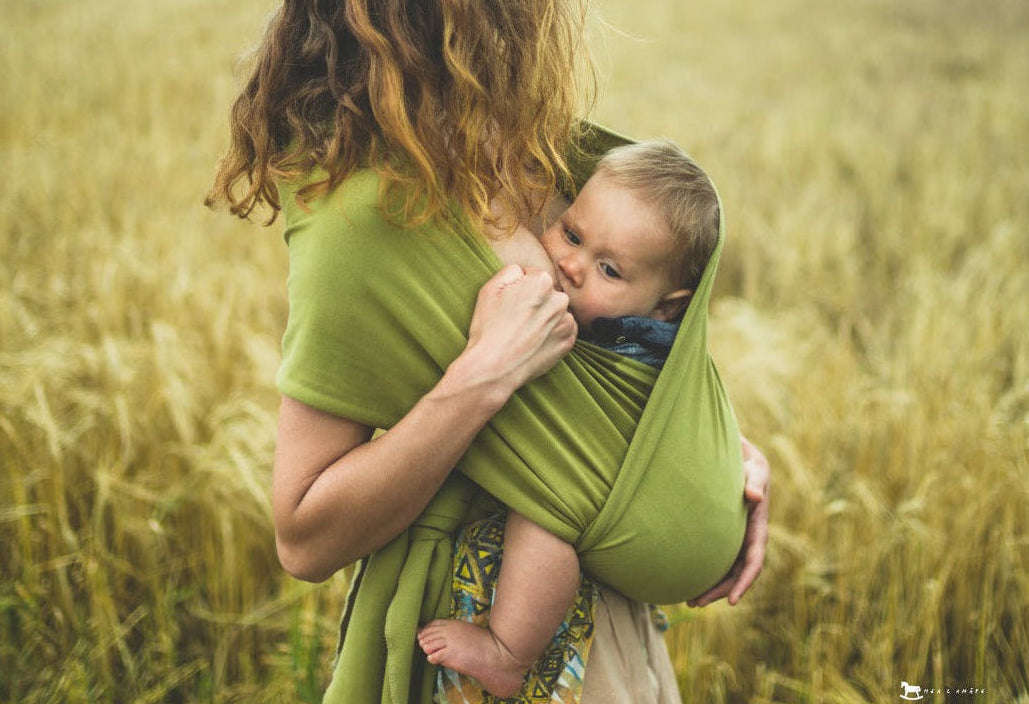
<point x="428" y="117"/>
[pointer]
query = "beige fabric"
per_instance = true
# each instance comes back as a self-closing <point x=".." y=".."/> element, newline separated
<point x="628" y="662"/>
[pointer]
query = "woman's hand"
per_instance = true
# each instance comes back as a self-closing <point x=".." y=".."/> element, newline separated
<point x="337" y="494"/>
<point x="520" y="329"/>
<point x="752" y="555"/>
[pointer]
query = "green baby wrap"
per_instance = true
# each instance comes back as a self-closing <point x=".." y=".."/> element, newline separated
<point x="641" y="471"/>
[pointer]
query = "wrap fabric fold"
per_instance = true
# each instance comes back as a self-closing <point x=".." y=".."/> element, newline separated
<point x="641" y="472"/>
<point x="400" y="586"/>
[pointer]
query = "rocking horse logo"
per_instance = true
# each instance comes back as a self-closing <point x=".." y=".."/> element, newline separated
<point x="912" y="692"/>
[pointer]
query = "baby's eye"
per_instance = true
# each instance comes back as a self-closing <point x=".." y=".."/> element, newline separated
<point x="610" y="271"/>
<point x="572" y="237"/>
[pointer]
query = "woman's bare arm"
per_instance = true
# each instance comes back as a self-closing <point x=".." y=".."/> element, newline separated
<point x="338" y="495"/>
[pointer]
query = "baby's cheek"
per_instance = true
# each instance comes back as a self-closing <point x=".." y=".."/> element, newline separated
<point x="592" y="306"/>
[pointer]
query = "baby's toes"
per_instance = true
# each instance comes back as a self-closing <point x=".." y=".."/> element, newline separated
<point x="431" y="641"/>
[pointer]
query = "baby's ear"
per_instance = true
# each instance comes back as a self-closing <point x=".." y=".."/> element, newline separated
<point x="672" y="304"/>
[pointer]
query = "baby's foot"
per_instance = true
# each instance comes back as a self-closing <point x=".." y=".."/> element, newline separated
<point x="473" y="651"/>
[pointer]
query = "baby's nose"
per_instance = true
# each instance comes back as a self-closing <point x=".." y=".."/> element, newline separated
<point x="571" y="268"/>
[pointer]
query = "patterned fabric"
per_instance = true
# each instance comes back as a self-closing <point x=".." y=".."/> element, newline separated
<point x="556" y="678"/>
<point x="659" y="618"/>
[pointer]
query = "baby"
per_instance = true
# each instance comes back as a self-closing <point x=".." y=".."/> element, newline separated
<point x="629" y="252"/>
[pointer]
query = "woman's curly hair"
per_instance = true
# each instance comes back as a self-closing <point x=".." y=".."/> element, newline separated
<point x="453" y="102"/>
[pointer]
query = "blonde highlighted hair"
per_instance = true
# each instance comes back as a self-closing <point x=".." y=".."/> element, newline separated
<point x="664" y="176"/>
<point x="453" y="102"/>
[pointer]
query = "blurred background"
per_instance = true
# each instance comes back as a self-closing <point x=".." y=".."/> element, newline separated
<point x="870" y="323"/>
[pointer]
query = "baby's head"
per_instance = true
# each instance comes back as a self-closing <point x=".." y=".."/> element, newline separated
<point x="637" y="238"/>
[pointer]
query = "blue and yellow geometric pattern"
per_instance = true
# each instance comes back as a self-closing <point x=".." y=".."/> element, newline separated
<point x="556" y="678"/>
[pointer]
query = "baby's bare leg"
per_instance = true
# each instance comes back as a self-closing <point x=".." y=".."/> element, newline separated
<point x="538" y="580"/>
<point x="539" y="576"/>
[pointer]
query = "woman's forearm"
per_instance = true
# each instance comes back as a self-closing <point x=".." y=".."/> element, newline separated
<point x="337" y="495"/>
<point x="340" y="496"/>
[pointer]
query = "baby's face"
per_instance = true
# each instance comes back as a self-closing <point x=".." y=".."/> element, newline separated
<point x="611" y="254"/>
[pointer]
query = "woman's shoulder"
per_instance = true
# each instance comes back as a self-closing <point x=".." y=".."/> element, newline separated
<point x="353" y="202"/>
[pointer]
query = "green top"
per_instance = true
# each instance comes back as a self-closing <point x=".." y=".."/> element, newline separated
<point x="642" y="472"/>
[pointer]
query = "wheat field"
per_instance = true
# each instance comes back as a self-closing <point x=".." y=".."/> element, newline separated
<point x="870" y="322"/>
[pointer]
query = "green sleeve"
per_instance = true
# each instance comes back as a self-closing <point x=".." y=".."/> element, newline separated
<point x="342" y="351"/>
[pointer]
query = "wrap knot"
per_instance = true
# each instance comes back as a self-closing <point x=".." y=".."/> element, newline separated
<point x="446" y="512"/>
<point x="434" y="527"/>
